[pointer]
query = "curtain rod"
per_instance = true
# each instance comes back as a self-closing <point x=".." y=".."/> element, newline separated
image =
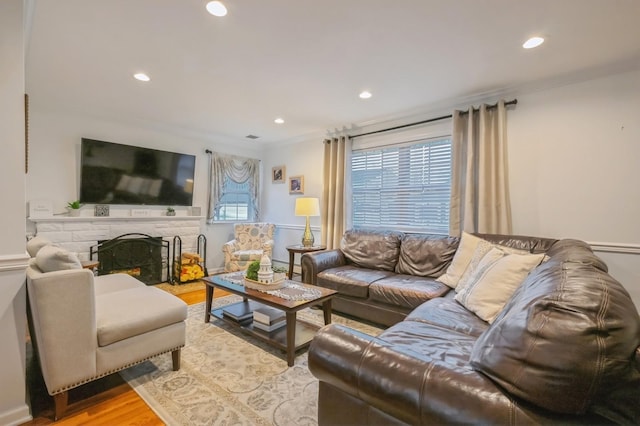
<point x="430" y="120"/>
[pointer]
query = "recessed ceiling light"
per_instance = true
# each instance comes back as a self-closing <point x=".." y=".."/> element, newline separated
<point x="216" y="8"/>
<point x="278" y="120"/>
<point x="141" y="76"/>
<point x="533" y="42"/>
<point x="365" y="95"/>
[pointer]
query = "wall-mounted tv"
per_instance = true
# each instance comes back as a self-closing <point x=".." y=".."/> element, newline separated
<point x="113" y="173"/>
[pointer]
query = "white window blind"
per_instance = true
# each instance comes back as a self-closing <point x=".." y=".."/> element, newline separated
<point x="235" y="203"/>
<point x="403" y="187"/>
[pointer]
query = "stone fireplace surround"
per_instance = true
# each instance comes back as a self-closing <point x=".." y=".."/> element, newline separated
<point x="79" y="234"/>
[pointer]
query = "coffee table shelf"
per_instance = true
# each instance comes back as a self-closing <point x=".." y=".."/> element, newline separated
<point x="277" y="338"/>
<point x="293" y="336"/>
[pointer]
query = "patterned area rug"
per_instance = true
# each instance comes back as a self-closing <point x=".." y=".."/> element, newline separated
<point x="229" y="378"/>
<point x="181" y="288"/>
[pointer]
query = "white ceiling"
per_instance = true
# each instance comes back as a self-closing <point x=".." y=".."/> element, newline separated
<point x="307" y="60"/>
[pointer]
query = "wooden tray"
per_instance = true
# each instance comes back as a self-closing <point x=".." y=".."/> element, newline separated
<point x="255" y="285"/>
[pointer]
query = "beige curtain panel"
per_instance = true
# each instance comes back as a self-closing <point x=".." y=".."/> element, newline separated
<point x="480" y="176"/>
<point x="333" y="209"/>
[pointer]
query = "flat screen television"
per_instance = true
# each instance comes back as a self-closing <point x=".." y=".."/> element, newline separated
<point x="113" y="173"/>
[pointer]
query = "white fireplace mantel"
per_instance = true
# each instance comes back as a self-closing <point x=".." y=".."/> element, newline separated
<point x="79" y="234"/>
<point x="113" y="218"/>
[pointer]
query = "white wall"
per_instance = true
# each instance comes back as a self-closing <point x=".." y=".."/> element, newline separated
<point x="55" y="163"/>
<point x="300" y="159"/>
<point x="574" y="153"/>
<point x="13" y="406"/>
<point x="573" y="167"/>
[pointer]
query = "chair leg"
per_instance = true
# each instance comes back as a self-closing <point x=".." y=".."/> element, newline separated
<point x="175" y="356"/>
<point x="60" y="400"/>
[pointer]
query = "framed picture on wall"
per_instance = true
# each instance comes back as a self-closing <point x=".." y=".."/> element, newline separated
<point x="278" y="174"/>
<point x="296" y="185"/>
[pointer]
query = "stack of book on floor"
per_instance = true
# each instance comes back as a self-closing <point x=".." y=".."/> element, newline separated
<point x="240" y="312"/>
<point x="268" y="319"/>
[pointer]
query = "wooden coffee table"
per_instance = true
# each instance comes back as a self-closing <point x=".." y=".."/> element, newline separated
<point x="294" y="336"/>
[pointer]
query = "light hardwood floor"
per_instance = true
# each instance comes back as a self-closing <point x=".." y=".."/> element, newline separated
<point x="108" y="401"/>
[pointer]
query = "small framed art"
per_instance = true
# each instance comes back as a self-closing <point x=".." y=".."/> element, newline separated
<point x="296" y="185"/>
<point x="278" y="174"/>
<point x="101" y="210"/>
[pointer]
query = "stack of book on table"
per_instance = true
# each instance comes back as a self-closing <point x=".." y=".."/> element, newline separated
<point x="268" y="319"/>
<point x="240" y="312"/>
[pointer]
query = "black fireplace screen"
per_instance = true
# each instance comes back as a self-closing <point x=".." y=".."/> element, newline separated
<point x="138" y="255"/>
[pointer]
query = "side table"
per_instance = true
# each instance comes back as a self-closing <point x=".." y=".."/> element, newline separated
<point x="300" y="249"/>
<point x="91" y="264"/>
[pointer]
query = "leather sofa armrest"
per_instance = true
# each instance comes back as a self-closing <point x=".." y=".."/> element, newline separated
<point x="370" y="369"/>
<point x="315" y="262"/>
<point x="229" y="246"/>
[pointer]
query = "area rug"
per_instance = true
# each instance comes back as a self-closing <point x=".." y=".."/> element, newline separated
<point x="229" y="378"/>
<point x="181" y="288"/>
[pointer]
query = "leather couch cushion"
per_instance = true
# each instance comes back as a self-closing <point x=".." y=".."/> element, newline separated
<point x="372" y="249"/>
<point x="426" y="255"/>
<point x="405" y="290"/>
<point x="569" y="330"/>
<point x="520" y="242"/>
<point x="448" y="314"/>
<point x="350" y="280"/>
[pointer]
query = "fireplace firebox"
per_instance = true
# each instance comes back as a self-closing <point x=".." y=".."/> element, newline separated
<point x="140" y="255"/>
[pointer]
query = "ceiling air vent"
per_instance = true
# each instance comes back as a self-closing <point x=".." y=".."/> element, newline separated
<point x="252" y="137"/>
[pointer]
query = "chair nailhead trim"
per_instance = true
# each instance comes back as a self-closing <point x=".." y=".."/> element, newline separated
<point x="74" y="385"/>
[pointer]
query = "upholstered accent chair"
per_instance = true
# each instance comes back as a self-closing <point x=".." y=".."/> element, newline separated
<point x="251" y="241"/>
<point x="85" y="327"/>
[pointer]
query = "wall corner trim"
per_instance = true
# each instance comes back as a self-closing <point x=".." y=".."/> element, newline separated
<point x="14" y="262"/>
<point x="615" y="247"/>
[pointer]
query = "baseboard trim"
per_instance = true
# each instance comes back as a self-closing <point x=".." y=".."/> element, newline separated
<point x="16" y="416"/>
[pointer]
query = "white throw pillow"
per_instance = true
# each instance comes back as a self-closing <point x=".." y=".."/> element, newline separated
<point x="461" y="259"/>
<point x="494" y="281"/>
<point x="51" y="258"/>
<point x="35" y="244"/>
<point x="481" y="250"/>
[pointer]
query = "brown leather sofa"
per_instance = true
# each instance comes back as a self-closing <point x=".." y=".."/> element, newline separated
<point x="381" y="276"/>
<point x="565" y="349"/>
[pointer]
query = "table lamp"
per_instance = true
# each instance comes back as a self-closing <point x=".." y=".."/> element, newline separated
<point x="307" y="207"/>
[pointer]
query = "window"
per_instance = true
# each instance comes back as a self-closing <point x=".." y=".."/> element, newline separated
<point x="403" y="187"/>
<point x="235" y="202"/>
<point x="235" y="185"/>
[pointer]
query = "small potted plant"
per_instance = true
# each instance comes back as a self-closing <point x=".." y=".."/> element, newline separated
<point x="74" y="208"/>
<point x="171" y="211"/>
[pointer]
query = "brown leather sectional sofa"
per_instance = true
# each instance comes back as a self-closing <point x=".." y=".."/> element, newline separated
<point x="564" y="349"/>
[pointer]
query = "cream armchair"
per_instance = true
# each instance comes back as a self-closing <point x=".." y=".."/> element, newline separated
<point x="251" y="242"/>
<point x="85" y="327"/>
